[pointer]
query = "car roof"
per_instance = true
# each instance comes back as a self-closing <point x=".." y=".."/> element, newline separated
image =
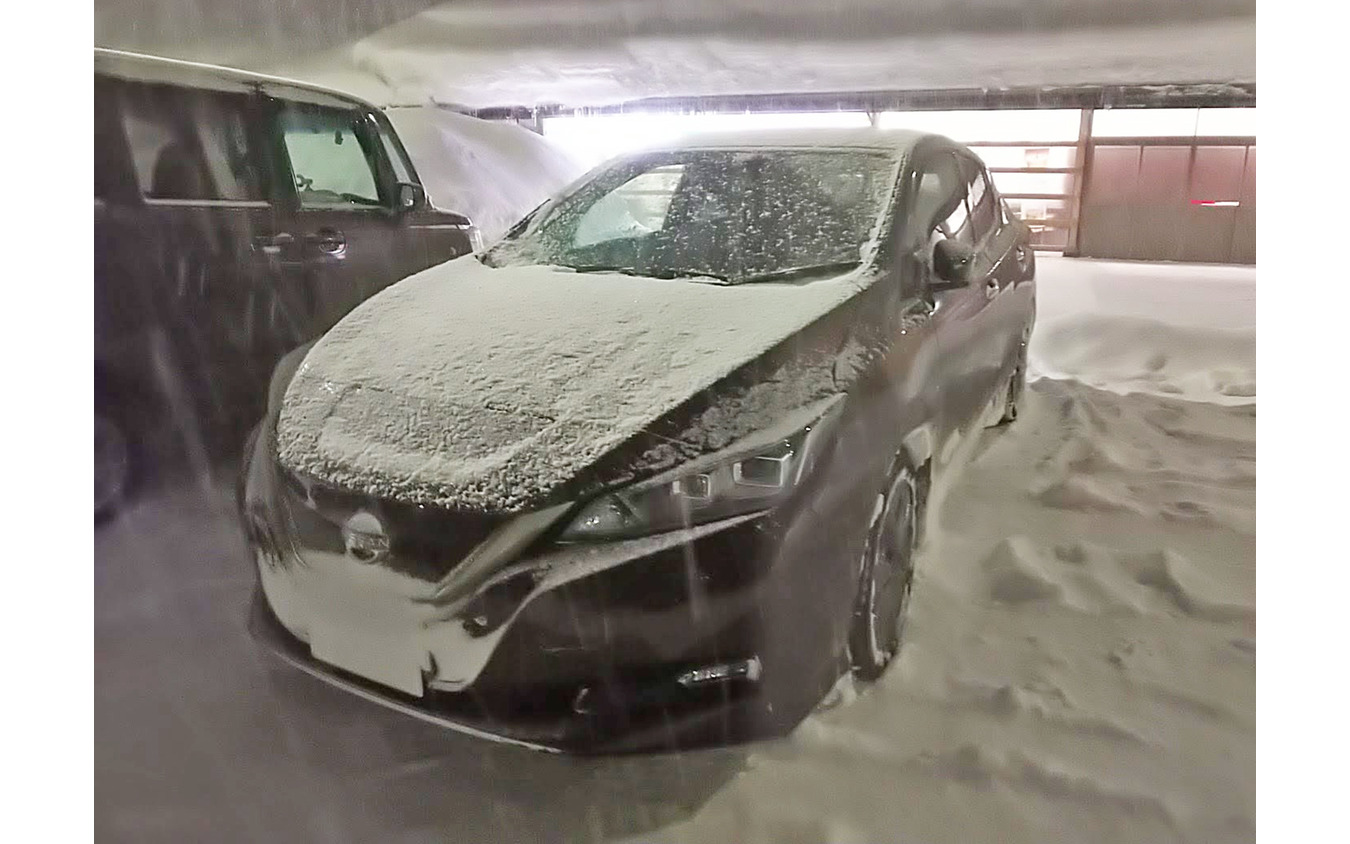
<point x="140" y="67"/>
<point x="900" y="141"/>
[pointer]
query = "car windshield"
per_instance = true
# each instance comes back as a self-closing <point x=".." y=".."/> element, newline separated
<point x="731" y="216"/>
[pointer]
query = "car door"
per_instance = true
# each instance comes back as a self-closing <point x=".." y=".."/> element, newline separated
<point x="915" y="370"/>
<point x="940" y="211"/>
<point x="433" y="235"/>
<point x="343" y="235"/>
<point x="202" y="190"/>
<point x="1001" y="262"/>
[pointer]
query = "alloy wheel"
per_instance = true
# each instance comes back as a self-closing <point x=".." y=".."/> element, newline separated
<point x="888" y="569"/>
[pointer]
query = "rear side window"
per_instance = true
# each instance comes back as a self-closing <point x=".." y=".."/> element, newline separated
<point x="190" y="145"/>
<point x="331" y="160"/>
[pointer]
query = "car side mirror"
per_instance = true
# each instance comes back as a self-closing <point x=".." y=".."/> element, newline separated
<point x="411" y="196"/>
<point x="952" y="261"/>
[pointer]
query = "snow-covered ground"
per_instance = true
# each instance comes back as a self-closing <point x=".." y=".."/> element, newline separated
<point x="1079" y="663"/>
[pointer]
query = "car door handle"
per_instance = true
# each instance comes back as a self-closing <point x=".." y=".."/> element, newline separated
<point x="991" y="288"/>
<point x="272" y="244"/>
<point x="330" y="241"/>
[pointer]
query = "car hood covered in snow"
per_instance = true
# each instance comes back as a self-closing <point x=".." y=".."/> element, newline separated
<point x="490" y="389"/>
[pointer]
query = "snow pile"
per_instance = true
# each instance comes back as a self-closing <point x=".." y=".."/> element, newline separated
<point x="1187" y="331"/>
<point x="496" y="173"/>
<point x="1140" y="355"/>
<point x="483" y="53"/>
<point x="467" y="386"/>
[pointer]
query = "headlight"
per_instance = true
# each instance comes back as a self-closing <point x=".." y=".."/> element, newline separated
<point x="748" y="477"/>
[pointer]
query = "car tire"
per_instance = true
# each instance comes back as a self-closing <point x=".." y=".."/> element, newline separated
<point x="887" y="577"/>
<point x="113" y="466"/>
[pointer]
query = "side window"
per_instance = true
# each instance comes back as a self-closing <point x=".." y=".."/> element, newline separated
<point x="939" y="206"/>
<point x="393" y="151"/>
<point x="957" y="224"/>
<point x="983" y="207"/>
<point x="635" y="208"/>
<point x="330" y="161"/>
<point x="190" y="145"/>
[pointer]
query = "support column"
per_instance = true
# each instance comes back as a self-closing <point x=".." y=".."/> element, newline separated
<point x="1083" y="166"/>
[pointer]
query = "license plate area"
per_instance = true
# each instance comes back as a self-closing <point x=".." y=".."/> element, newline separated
<point x="381" y="658"/>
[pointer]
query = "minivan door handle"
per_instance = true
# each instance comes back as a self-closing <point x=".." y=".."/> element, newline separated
<point x="329" y="241"/>
<point x="991" y="288"/>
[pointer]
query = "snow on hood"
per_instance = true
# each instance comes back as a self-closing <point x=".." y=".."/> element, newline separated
<point x="477" y="388"/>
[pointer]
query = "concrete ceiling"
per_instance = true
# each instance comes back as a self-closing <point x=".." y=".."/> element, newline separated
<point x="582" y="52"/>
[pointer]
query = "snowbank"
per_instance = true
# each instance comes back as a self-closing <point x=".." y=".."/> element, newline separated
<point x="1180" y="330"/>
<point x="495" y="173"/>
<point x="1139" y="355"/>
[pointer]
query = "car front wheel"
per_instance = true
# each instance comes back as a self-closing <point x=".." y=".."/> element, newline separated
<point x="887" y="577"/>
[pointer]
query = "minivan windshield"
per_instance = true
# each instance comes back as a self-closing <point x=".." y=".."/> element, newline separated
<point x="724" y="215"/>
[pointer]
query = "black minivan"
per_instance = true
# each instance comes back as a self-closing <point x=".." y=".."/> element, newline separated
<point x="236" y="216"/>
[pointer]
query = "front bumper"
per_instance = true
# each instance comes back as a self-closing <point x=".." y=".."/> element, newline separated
<point x="631" y="646"/>
<point x="624" y="717"/>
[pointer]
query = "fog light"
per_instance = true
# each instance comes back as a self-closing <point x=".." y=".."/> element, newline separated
<point x="746" y="669"/>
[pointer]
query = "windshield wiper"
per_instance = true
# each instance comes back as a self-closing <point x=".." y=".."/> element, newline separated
<point x="652" y="273"/>
<point x="691" y="274"/>
<point x="602" y="268"/>
<point x="810" y="269"/>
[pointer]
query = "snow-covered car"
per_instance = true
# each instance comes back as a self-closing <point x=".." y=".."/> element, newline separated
<point x="651" y="471"/>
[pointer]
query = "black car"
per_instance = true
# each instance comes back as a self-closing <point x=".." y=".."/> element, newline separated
<point x="651" y="471"/>
<point x="236" y="216"/>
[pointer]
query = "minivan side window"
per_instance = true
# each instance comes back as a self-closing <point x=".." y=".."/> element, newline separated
<point x="330" y="161"/>
<point x="394" y="152"/>
<point x="190" y="146"/>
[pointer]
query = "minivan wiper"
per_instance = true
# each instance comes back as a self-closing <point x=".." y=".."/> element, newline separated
<point x="810" y="269"/>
